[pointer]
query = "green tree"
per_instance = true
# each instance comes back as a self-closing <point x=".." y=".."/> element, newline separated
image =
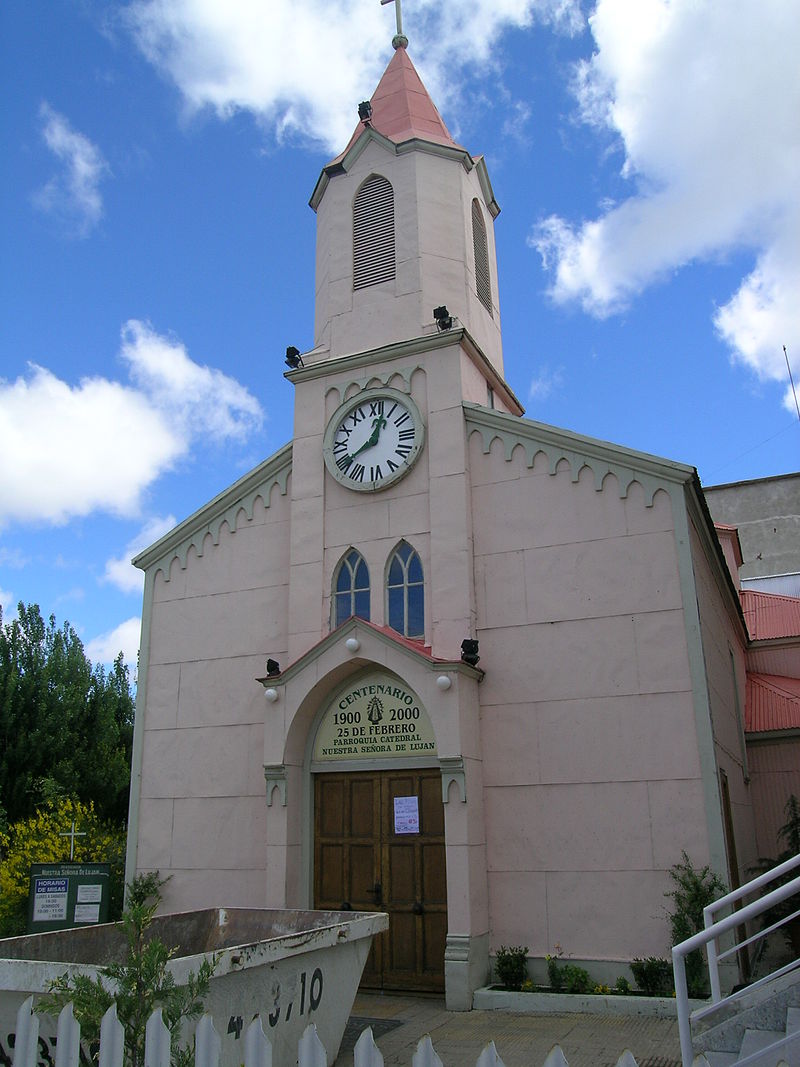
<point x="36" y="839"/>
<point x="138" y="985"/>
<point x="66" y="727"/>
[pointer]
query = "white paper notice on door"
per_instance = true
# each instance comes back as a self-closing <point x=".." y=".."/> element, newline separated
<point x="406" y="815"/>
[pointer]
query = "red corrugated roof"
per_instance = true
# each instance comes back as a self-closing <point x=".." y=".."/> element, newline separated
<point x="769" y="615"/>
<point x="772" y="703"/>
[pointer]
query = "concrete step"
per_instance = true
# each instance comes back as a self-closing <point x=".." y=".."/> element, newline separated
<point x="758" y="1040"/>
<point x="721" y="1059"/>
<point x="792" y="1020"/>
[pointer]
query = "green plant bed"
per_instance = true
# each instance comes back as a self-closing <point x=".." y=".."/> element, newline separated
<point x="544" y="1001"/>
<point x="606" y="991"/>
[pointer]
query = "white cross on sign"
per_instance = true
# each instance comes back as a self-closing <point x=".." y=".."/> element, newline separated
<point x="72" y="833"/>
<point x="397" y="12"/>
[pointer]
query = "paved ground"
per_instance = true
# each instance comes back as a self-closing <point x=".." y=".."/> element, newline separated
<point x="521" y="1040"/>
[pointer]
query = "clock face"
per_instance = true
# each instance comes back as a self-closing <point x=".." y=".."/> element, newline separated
<point x="373" y="439"/>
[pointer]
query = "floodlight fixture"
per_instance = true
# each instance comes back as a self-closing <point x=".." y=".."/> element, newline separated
<point x="443" y="318"/>
<point x="293" y="360"/>
<point x="469" y="652"/>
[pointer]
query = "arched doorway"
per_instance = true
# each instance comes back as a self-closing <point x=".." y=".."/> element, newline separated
<point x="379" y="832"/>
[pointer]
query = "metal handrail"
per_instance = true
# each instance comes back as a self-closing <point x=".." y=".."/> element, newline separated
<point x="737" y="894"/>
<point x="708" y="936"/>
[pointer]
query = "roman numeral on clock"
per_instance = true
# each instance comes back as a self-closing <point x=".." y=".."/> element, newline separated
<point x="407" y="435"/>
<point x="343" y="462"/>
<point x="357" y="473"/>
<point x="403" y="450"/>
<point x="375" y="473"/>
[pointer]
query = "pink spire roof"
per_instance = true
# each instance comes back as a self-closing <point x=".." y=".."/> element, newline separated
<point x="402" y="108"/>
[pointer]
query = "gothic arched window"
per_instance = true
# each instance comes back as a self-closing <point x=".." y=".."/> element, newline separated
<point x="351" y="588"/>
<point x="483" y="283"/>
<point x="373" y="233"/>
<point x="405" y="592"/>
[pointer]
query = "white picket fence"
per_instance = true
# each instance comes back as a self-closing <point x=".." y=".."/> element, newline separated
<point x="257" y="1048"/>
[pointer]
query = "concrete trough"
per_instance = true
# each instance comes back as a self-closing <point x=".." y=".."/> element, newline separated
<point x="290" y="967"/>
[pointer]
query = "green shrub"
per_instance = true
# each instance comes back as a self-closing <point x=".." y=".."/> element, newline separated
<point x="693" y="890"/>
<point x="653" y="976"/>
<point x="554" y="974"/>
<point x="511" y="966"/>
<point x="38" y="839"/>
<point x="622" y="986"/>
<point x="576" y="979"/>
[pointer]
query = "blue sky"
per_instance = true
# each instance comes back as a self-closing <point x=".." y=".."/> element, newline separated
<point x="158" y="247"/>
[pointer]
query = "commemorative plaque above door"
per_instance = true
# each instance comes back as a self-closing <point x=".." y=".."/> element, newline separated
<point x="376" y="717"/>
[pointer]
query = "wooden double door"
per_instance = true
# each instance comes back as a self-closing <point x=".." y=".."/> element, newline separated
<point x="373" y="854"/>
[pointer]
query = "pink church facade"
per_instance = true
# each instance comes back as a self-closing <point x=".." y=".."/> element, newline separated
<point x="536" y="797"/>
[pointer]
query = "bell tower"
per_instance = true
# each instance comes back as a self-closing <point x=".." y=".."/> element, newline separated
<point x="405" y="224"/>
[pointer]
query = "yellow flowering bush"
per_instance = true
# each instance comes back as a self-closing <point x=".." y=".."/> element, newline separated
<point x="36" y="840"/>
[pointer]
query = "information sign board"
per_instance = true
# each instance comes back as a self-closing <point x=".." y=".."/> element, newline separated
<point x="63" y="895"/>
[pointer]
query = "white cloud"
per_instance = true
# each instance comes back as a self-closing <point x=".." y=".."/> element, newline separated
<point x="99" y="444"/>
<point x="120" y="571"/>
<point x="703" y="100"/>
<point x="73" y="195"/>
<point x="6" y="600"/>
<point x="194" y="398"/>
<point x="14" y="558"/>
<point x="545" y="382"/>
<point x="123" y="638"/>
<point x="233" y="56"/>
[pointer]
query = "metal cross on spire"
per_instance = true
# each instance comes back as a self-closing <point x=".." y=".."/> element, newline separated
<point x="399" y="40"/>
<point x="72" y="834"/>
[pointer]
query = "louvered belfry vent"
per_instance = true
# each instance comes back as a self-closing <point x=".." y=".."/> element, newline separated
<point x="373" y="233"/>
<point x="483" y="284"/>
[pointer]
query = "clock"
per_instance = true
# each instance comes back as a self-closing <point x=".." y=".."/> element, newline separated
<point x="373" y="439"/>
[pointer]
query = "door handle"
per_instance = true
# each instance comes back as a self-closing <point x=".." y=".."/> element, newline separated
<point x="346" y="906"/>
<point x="417" y="908"/>
<point x="376" y="892"/>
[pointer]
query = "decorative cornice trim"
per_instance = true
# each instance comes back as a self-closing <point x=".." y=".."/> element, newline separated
<point x="414" y="347"/>
<point x="453" y="771"/>
<point x="226" y="507"/>
<point x="395" y="148"/>
<point x="275" y="778"/>
<point x="486" y="187"/>
<point x="601" y="457"/>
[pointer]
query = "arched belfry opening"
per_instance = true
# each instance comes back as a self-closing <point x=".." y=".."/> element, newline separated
<point x="373" y="233"/>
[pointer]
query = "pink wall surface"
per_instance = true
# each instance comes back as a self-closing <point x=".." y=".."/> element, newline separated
<point x="201" y="814"/>
<point x="775" y="770"/>
<point x="591" y="768"/>
<point x="723" y="640"/>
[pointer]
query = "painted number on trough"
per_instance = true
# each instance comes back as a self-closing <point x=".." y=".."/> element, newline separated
<point x="310" y="998"/>
<point x="46" y="1056"/>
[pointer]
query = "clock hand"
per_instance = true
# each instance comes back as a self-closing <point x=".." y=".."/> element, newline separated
<point x="372" y="440"/>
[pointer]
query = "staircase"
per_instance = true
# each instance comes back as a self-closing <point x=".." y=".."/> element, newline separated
<point x="758" y="1026"/>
